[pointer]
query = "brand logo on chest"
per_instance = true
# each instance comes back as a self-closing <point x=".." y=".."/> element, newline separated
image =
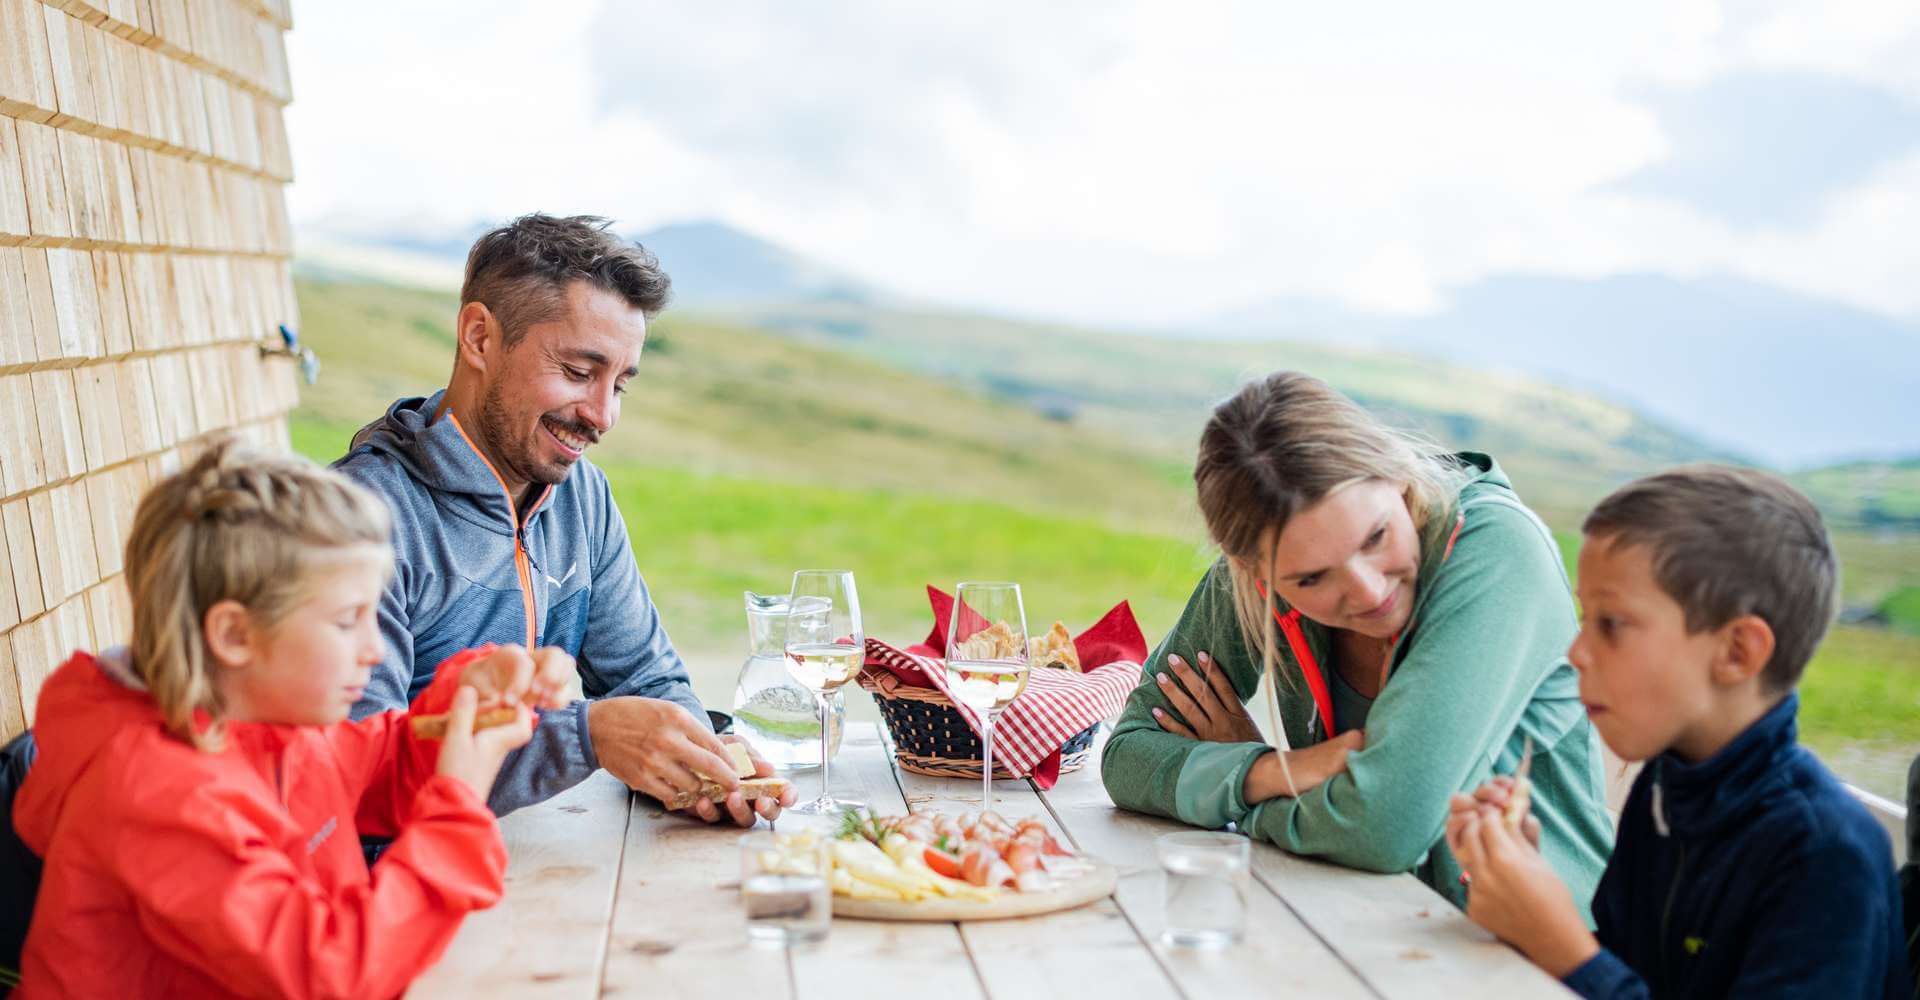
<point x="320" y="836"/>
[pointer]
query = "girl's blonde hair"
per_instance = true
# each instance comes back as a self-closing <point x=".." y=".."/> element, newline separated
<point x="235" y="524"/>
<point x="1283" y="444"/>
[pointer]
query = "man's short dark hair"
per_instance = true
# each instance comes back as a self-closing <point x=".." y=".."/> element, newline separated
<point x="1728" y="542"/>
<point x="521" y="270"/>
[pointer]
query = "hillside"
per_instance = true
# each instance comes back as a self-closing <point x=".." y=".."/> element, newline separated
<point x="1782" y="378"/>
<point x="973" y="405"/>
<point x="745" y="454"/>
<point x="1867" y="496"/>
<point x="718" y="399"/>
<point x="1564" y="449"/>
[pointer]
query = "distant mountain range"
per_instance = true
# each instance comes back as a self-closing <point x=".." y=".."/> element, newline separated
<point x="1786" y="379"/>
<point x="1789" y="379"/>
<point x="711" y="263"/>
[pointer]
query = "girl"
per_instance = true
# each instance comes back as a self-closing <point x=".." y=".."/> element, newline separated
<point x="199" y="798"/>
<point x="1411" y="615"/>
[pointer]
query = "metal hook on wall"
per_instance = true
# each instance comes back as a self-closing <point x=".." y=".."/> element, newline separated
<point x="309" y="362"/>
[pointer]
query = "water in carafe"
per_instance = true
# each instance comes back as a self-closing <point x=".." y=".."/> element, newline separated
<point x="771" y="710"/>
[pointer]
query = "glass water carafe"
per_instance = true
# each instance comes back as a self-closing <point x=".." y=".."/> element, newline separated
<point x="771" y="710"/>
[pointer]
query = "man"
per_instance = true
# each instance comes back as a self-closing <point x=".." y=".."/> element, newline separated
<point x="504" y="533"/>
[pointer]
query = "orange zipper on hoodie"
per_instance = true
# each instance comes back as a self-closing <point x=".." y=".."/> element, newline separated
<point x="521" y="565"/>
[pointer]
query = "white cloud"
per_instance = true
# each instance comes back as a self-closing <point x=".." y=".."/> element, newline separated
<point x="1106" y="162"/>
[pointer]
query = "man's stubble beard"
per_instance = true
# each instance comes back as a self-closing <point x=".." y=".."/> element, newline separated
<point x="495" y="432"/>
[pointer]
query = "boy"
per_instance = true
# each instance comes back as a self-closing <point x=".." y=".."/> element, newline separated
<point x="1742" y="868"/>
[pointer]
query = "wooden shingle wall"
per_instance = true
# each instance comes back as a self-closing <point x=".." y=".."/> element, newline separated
<point x="143" y="259"/>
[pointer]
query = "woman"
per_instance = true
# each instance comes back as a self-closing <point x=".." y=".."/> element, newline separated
<point x="1412" y="616"/>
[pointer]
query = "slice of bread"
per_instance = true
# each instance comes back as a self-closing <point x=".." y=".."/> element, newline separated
<point x="434" y="727"/>
<point x="712" y="791"/>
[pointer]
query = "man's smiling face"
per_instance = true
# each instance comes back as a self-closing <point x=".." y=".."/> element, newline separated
<point x="558" y="387"/>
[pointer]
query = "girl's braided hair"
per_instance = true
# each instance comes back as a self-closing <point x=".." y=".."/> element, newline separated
<point x="234" y="524"/>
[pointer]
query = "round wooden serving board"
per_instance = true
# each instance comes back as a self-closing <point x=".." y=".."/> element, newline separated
<point x="1080" y="891"/>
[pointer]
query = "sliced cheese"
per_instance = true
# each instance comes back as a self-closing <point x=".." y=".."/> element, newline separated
<point x="742" y="764"/>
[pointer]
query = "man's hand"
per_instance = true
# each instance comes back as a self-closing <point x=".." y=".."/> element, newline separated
<point x="511" y="676"/>
<point x="1205" y="697"/>
<point x="1515" y="894"/>
<point x="740" y="810"/>
<point x="656" y="746"/>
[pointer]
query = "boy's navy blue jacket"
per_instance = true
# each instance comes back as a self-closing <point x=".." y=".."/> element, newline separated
<point x="1751" y="874"/>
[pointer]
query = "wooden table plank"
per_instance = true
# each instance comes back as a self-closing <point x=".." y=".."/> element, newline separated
<point x="1091" y="949"/>
<point x="880" y="958"/>
<point x="1405" y="939"/>
<point x="678" y="929"/>
<point x="1399" y="936"/>
<point x="1279" y="951"/>
<point x="547" y="936"/>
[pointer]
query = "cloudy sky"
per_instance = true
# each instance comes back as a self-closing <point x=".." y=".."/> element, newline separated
<point x="1147" y="163"/>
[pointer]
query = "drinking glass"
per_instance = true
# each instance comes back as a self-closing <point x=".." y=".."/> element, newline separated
<point x="784" y="887"/>
<point x="987" y="660"/>
<point x="1206" y="896"/>
<point x="825" y="648"/>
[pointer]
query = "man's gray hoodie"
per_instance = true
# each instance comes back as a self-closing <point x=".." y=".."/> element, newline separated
<point x="469" y="571"/>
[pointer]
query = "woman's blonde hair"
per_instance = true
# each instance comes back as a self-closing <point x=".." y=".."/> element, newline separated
<point x="1283" y="444"/>
<point x="235" y="524"/>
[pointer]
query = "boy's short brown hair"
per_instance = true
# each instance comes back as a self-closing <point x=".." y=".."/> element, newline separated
<point x="1727" y="542"/>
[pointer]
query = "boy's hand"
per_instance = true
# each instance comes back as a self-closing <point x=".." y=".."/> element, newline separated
<point x="472" y="757"/>
<point x="739" y="809"/>
<point x="1516" y="895"/>
<point x="511" y="676"/>
<point x="1496" y="792"/>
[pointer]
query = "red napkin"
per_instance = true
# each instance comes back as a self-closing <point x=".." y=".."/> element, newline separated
<point x="1057" y="704"/>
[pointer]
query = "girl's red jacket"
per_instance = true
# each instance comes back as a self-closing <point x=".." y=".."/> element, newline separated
<point x="175" y="872"/>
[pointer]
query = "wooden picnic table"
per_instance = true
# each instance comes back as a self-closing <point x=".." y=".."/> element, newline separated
<point x="607" y="895"/>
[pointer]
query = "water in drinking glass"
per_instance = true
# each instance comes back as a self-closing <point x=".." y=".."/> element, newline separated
<point x="783" y="887"/>
<point x="1206" y="892"/>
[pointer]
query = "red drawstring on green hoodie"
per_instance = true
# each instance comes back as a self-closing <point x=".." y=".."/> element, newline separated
<point x="1303" y="654"/>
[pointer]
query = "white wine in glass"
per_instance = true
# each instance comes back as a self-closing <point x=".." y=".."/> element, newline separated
<point x="825" y="648"/>
<point x="823" y="666"/>
<point x="986" y="686"/>
<point x="987" y="663"/>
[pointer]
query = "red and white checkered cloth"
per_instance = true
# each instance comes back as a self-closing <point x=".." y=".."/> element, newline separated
<point x="1057" y="704"/>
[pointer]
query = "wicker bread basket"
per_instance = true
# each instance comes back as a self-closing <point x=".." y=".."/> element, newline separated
<point x="931" y="737"/>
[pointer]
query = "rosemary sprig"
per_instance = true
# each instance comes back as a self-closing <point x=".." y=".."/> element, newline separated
<point x="854" y="825"/>
<point x="860" y="824"/>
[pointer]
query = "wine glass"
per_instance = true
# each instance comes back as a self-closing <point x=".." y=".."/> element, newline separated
<point x="987" y="660"/>
<point x="825" y="648"/>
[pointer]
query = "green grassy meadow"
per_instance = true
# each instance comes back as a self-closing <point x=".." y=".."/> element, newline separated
<point x="1868" y="495"/>
<point x="745" y="452"/>
<point x="703" y="540"/>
